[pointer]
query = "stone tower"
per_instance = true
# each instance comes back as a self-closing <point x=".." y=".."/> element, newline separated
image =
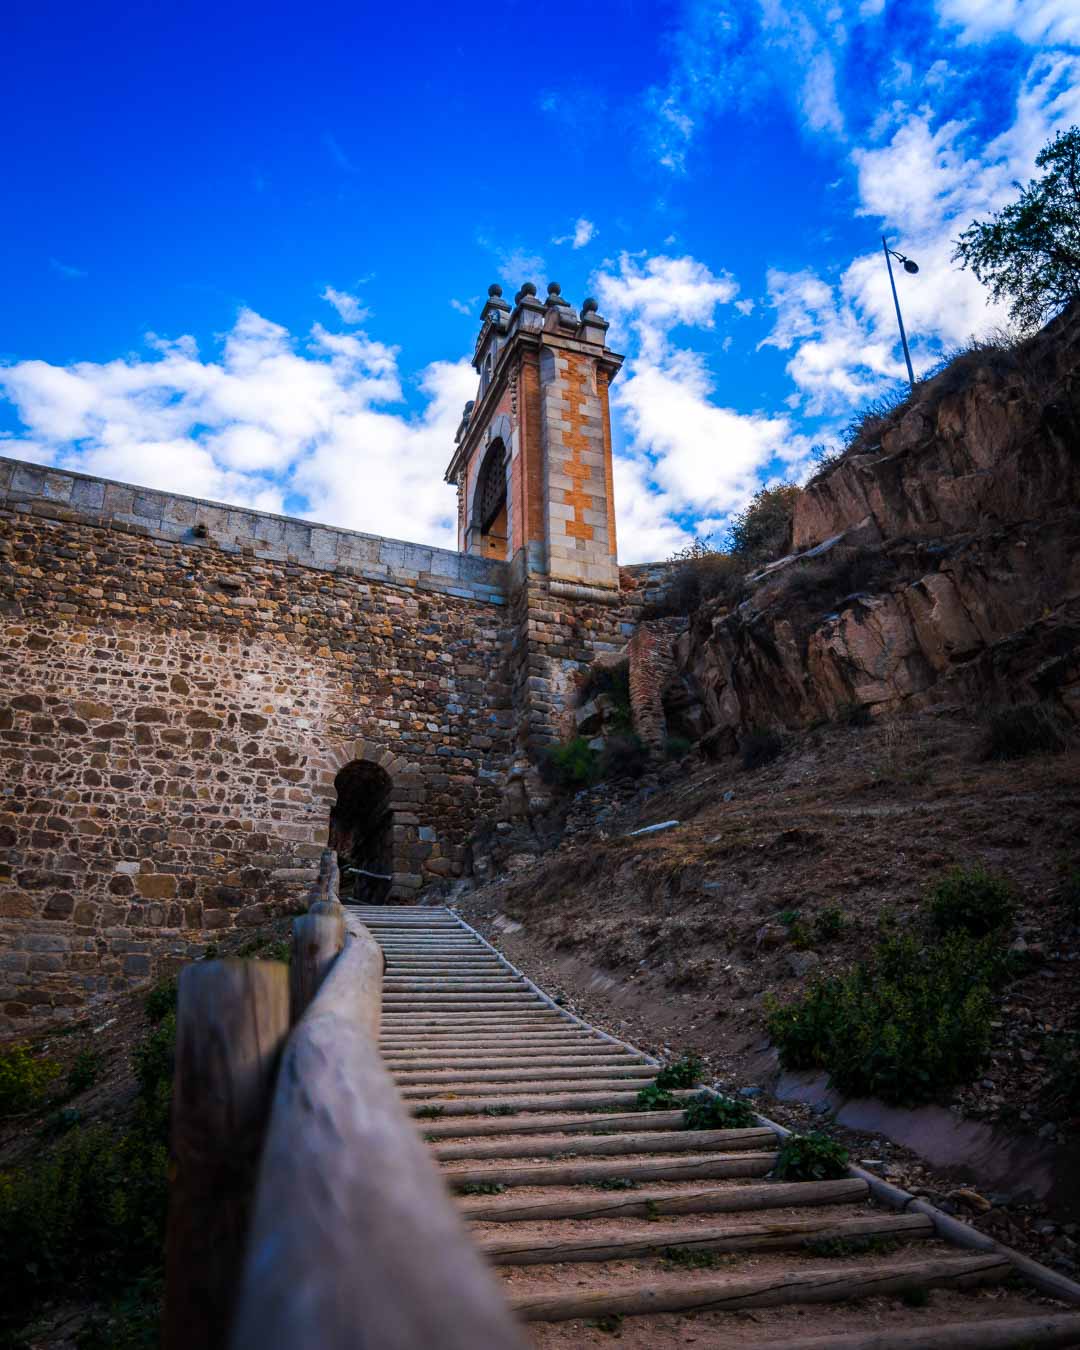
<point x="532" y="462"/>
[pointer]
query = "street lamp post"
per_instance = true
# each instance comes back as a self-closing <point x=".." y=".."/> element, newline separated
<point x="912" y="267"/>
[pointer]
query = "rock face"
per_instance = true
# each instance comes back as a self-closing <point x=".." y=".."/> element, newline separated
<point x="939" y="564"/>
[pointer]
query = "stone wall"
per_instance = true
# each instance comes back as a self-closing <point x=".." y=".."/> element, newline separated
<point x="179" y="685"/>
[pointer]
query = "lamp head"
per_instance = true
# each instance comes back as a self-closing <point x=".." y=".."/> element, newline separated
<point x="910" y="266"/>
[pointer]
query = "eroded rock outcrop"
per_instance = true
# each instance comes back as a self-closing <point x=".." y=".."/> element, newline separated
<point x="940" y="562"/>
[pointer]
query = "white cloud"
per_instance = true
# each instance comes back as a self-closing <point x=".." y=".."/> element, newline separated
<point x="926" y="184"/>
<point x="744" y="307"/>
<point x="1032" y="21"/>
<point x="66" y="270"/>
<point x="583" y="231"/>
<point x="654" y="295"/>
<point x="269" y="419"/>
<point x="466" y="307"/>
<point x="686" y="456"/>
<point x="348" y="306"/>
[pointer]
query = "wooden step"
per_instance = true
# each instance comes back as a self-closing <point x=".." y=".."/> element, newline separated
<point x="533" y="1086"/>
<point x="476" y="1106"/>
<point x="1006" y="1333"/>
<point x="640" y="1204"/>
<point x="640" y="1244"/>
<point x="459" y="1059"/>
<point x="656" y="1141"/>
<point x="728" y="1293"/>
<point x="720" y="1165"/>
<point x="557" y="1122"/>
<point x="527" y="1073"/>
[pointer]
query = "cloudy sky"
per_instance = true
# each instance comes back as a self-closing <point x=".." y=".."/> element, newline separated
<point x="244" y="249"/>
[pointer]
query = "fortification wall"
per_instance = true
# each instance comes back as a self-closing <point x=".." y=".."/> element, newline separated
<point x="180" y="682"/>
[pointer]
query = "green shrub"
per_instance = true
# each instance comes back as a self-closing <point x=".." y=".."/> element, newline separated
<point x="1025" y="729"/>
<point x="706" y="1112"/>
<point x="430" y="1112"/>
<point x="686" y="1072"/>
<point x="614" y="681"/>
<point x="624" y="756"/>
<point x="653" y="1098"/>
<point x="908" y="1026"/>
<point x="810" y="1157"/>
<point x="830" y="923"/>
<point x="760" y="746"/>
<point x="87" y="1218"/>
<point x="572" y="765"/>
<point x="761" y="533"/>
<point x="677" y="747"/>
<point x="263" y="947"/>
<point x="84" y="1072"/>
<point x="481" y="1188"/>
<point x="23" y="1079"/>
<point x="161" y="999"/>
<point x="704" y="574"/>
<point x="972" y="900"/>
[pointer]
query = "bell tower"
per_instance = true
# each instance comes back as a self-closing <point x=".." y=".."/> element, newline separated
<point x="532" y="463"/>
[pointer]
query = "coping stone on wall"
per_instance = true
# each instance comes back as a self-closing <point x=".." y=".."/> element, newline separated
<point x="102" y="503"/>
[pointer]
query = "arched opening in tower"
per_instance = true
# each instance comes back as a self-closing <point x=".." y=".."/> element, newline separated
<point x="490" y="502"/>
<point x="362" y="832"/>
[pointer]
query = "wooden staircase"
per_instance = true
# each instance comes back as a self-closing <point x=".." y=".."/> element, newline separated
<point x="592" y="1211"/>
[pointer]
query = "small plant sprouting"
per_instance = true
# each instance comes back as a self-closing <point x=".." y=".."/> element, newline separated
<point x="706" y="1112"/>
<point x="837" y="1248"/>
<point x="690" y="1258"/>
<point x="482" y="1188"/>
<point x="161" y="999"/>
<point x="830" y="923"/>
<point x="653" y="1098"/>
<point x="616" y="1184"/>
<point x="611" y="1323"/>
<point x="500" y="1110"/>
<point x="84" y="1072"/>
<point x="972" y="900"/>
<point x="686" y="1072"/>
<point x="810" y="1157"/>
<point x="429" y="1112"/>
<point x="652" y="1211"/>
<point x="23" y="1079"/>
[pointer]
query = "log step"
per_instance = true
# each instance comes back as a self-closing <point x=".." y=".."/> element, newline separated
<point x="728" y="1293"/>
<point x="534" y="1085"/>
<point x="476" y="1106"/>
<point x="781" y="1235"/>
<point x="590" y="1122"/>
<point x="720" y="1165"/>
<point x="1006" y="1333"/>
<point x="643" y="1204"/>
<point x="466" y="1060"/>
<point x="657" y="1141"/>
<point x="526" y="1073"/>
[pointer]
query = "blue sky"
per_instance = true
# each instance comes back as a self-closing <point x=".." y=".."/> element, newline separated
<point x="244" y="252"/>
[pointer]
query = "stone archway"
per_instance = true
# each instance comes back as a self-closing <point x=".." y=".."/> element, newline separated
<point x="362" y="831"/>
<point x="374" y="799"/>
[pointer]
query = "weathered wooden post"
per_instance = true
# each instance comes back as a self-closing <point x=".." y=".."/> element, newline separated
<point x="231" y="1023"/>
<point x="355" y="1240"/>
<point x="317" y="941"/>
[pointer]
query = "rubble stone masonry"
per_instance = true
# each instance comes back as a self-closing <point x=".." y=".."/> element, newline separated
<point x="180" y="683"/>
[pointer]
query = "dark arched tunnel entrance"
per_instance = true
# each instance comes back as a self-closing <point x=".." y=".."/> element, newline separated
<point x="362" y="832"/>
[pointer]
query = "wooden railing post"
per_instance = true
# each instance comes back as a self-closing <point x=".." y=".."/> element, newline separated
<point x="317" y="941"/>
<point x="231" y="1023"/>
<point x="355" y="1240"/>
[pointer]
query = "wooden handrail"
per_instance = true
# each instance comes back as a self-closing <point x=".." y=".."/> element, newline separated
<point x="354" y="1240"/>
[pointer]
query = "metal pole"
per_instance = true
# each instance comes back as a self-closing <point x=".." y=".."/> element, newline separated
<point x="899" y="316"/>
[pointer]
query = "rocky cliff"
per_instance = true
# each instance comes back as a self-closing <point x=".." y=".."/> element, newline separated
<point x="938" y="561"/>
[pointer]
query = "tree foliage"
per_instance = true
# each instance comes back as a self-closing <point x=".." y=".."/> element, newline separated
<point x="1029" y="253"/>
